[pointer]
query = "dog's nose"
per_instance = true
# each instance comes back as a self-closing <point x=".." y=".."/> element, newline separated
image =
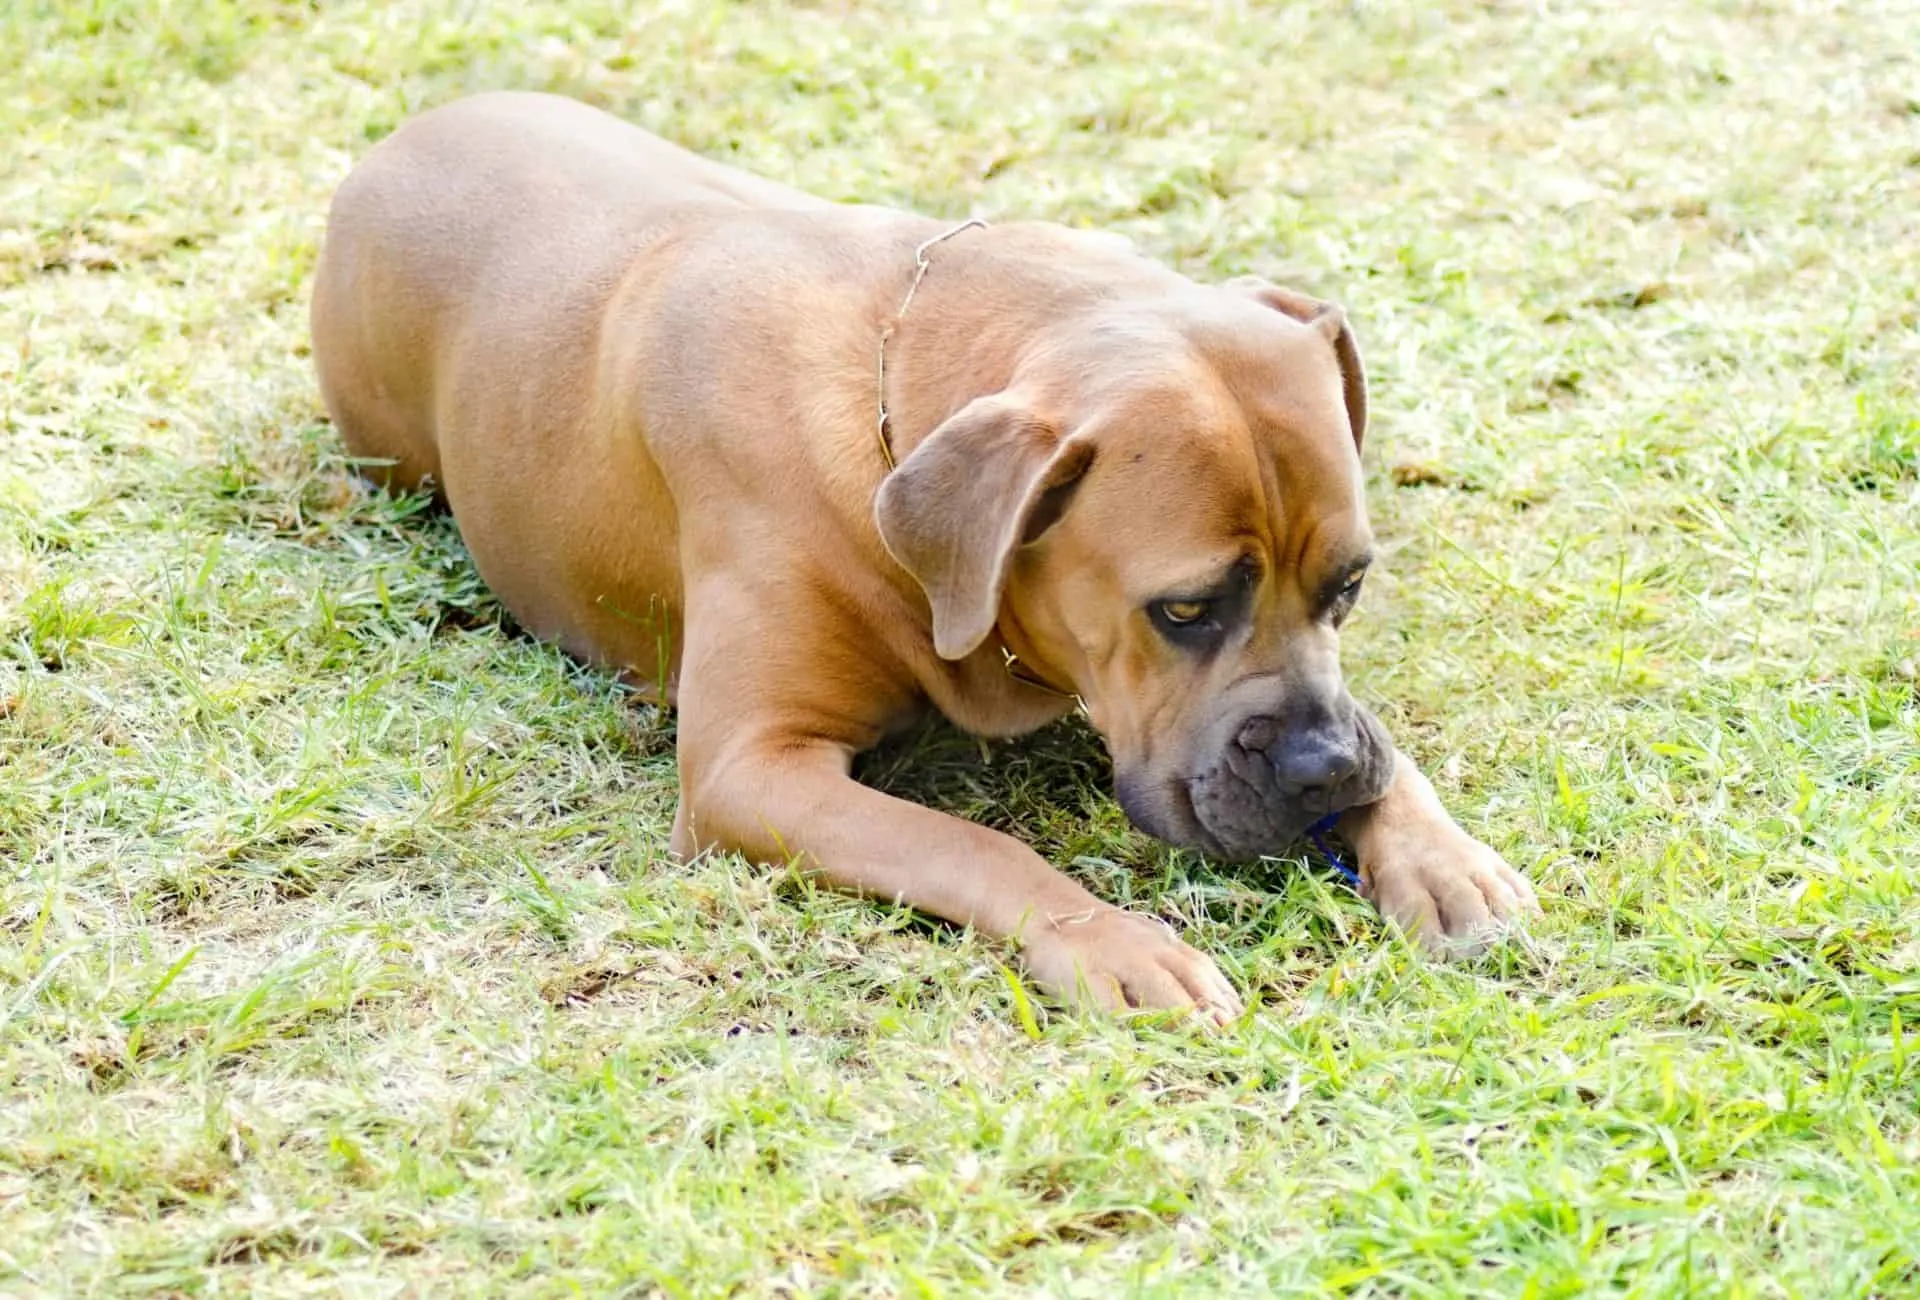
<point x="1307" y="762"/>
<point x="1312" y="764"/>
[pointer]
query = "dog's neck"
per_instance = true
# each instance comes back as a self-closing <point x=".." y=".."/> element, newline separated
<point x="984" y="302"/>
<point x="954" y="339"/>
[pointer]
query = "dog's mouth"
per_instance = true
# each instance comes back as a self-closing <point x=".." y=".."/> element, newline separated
<point x="1170" y="818"/>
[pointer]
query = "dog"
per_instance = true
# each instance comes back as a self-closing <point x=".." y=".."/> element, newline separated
<point x="805" y="469"/>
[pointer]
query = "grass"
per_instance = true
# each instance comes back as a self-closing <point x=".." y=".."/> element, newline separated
<point x="338" y="945"/>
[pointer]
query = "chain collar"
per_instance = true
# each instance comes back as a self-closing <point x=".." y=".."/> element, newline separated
<point x="883" y="428"/>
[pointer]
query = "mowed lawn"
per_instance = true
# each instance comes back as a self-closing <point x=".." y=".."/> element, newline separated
<point x="339" y="947"/>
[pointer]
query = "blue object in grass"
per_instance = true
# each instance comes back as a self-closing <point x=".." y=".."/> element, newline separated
<point x="1318" y="834"/>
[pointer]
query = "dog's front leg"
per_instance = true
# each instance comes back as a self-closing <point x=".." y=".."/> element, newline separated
<point x="1428" y="875"/>
<point x="782" y="798"/>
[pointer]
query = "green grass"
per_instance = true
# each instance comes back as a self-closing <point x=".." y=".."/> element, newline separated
<point x="338" y="943"/>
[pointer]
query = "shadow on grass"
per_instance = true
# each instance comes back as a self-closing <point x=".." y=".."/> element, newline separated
<point x="1052" y="791"/>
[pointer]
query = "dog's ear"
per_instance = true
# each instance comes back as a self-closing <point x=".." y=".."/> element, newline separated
<point x="1330" y="321"/>
<point x="987" y="481"/>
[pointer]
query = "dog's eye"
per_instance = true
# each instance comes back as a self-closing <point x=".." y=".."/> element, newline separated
<point x="1201" y="622"/>
<point x="1345" y="596"/>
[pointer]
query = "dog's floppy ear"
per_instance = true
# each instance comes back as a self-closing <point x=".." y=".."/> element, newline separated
<point x="990" y="479"/>
<point x="1330" y="321"/>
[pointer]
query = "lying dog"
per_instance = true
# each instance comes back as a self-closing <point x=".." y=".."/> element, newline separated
<point x="810" y="467"/>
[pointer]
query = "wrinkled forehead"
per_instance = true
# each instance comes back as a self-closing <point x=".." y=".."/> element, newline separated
<point x="1284" y="379"/>
<point x="1217" y="466"/>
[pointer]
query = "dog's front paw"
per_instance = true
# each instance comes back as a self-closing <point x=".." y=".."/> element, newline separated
<point x="1119" y="960"/>
<point x="1448" y="890"/>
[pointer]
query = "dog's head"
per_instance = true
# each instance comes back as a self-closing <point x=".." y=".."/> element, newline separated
<point x="1164" y="507"/>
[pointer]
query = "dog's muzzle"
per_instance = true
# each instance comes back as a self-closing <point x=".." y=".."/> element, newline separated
<point x="1274" y="777"/>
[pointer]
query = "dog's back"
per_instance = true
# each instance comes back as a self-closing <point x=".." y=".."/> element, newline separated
<point x="523" y="199"/>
